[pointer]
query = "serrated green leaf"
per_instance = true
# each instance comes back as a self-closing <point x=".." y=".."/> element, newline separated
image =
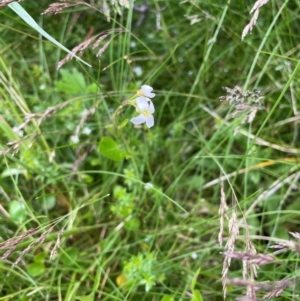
<point x="72" y="82"/>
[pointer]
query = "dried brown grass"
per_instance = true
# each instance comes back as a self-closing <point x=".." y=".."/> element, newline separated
<point x="267" y="289"/>
<point x="251" y="260"/>
<point x="245" y="103"/>
<point x="37" y="118"/>
<point x="6" y="2"/>
<point x="91" y="43"/>
<point x="255" y="11"/>
<point x="11" y="244"/>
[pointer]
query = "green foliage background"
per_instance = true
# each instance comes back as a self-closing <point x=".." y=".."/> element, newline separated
<point x="131" y="213"/>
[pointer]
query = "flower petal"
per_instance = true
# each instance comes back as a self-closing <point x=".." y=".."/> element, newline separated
<point x="139" y="119"/>
<point x="146" y="88"/>
<point x="142" y="103"/>
<point x="151" y="107"/>
<point x="150" y="121"/>
<point x="147" y="91"/>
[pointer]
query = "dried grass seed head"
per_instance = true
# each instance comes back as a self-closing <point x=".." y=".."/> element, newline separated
<point x="56" y="7"/>
<point x="6" y="2"/>
<point x="91" y="43"/>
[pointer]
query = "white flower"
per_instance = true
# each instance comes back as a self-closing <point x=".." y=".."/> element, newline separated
<point x="146" y="109"/>
<point x="138" y="70"/>
<point x="74" y="139"/>
<point x="146" y="91"/>
<point x="148" y="186"/>
<point x="86" y="131"/>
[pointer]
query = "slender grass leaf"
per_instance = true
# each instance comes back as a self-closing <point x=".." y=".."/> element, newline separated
<point x="22" y="13"/>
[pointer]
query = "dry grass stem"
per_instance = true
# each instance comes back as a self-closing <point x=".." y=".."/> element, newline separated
<point x="275" y="288"/>
<point x="12" y="243"/>
<point x="49" y="112"/>
<point x="295" y="119"/>
<point x="92" y="43"/>
<point x="245" y="103"/>
<point x="259" y="259"/>
<point x="243" y="170"/>
<point x="259" y="141"/>
<point x="81" y="153"/>
<point x="40" y="240"/>
<point x="272" y="189"/>
<point x="289" y="244"/>
<point x="273" y="294"/>
<point x="258" y="4"/>
<point x="250" y="265"/>
<point x="57" y="244"/>
<point x="295" y="234"/>
<point x="248" y="28"/>
<point x="56" y="7"/>
<point x="101" y="50"/>
<point x="14" y="146"/>
<point x="8" y="252"/>
<point x="223" y="213"/>
<point x="245" y="298"/>
<point x="41" y="116"/>
<point x="233" y="234"/>
<point x="255" y="9"/>
<point x="84" y="117"/>
<point x="6" y="2"/>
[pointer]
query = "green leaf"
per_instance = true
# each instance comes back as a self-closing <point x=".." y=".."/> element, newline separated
<point x="17" y="211"/>
<point x="40" y="257"/>
<point x="14" y="172"/>
<point x="123" y="123"/>
<point x="72" y="82"/>
<point x="109" y="148"/>
<point x="196" y="296"/>
<point x="194" y="280"/>
<point x="48" y="202"/>
<point x="36" y="269"/>
<point x="92" y="88"/>
<point x="69" y="258"/>
<point x="22" y="13"/>
<point x="133" y="224"/>
<point x="167" y="298"/>
<point x="90" y="297"/>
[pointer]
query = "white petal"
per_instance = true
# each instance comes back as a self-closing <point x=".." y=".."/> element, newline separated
<point x="150" y="95"/>
<point x="150" y="121"/>
<point x="139" y="119"/>
<point x="146" y="88"/>
<point x="147" y="91"/>
<point x="142" y="103"/>
<point x="151" y="107"/>
<point x="74" y="139"/>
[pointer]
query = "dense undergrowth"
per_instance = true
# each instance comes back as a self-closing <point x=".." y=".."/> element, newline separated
<point x="95" y="208"/>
